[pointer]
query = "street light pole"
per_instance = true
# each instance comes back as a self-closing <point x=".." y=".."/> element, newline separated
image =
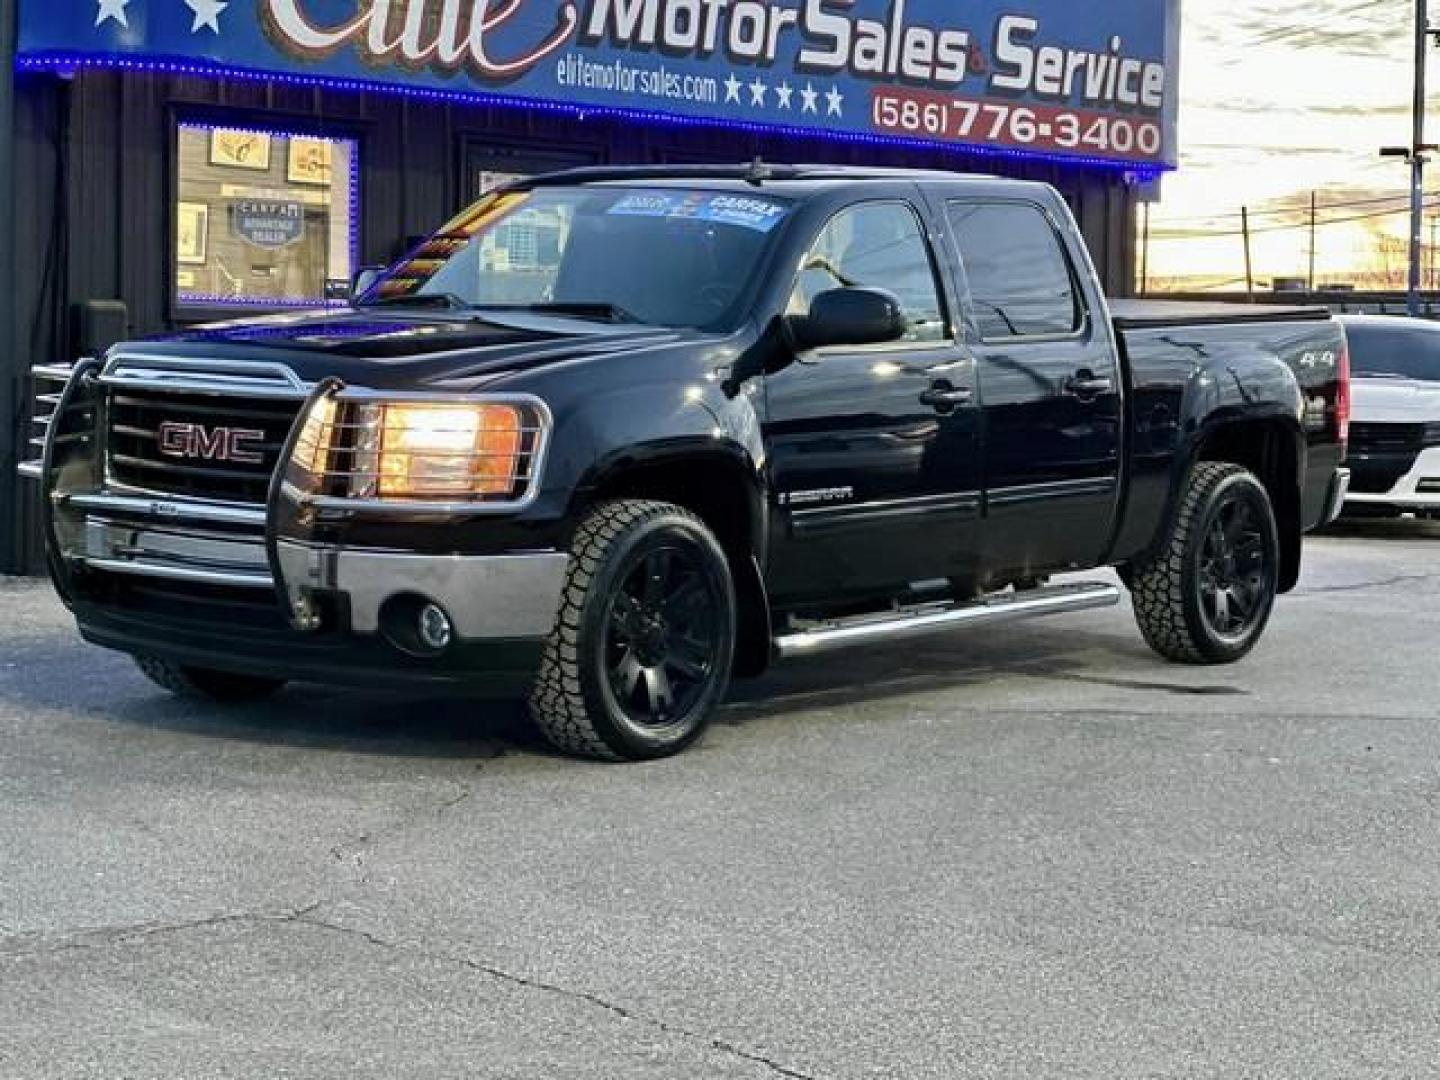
<point x="1417" y="159"/>
<point x="1414" y="156"/>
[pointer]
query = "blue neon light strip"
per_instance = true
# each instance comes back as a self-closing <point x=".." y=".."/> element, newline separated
<point x="69" y="63"/>
<point x="247" y="303"/>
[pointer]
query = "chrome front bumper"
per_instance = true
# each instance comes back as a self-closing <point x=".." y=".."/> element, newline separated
<point x="486" y="596"/>
<point x="511" y="596"/>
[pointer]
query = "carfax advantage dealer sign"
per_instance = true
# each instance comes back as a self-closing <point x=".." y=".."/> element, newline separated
<point x="1058" y="77"/>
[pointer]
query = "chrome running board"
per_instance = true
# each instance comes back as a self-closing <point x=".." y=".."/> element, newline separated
<point x="932" y="618"/>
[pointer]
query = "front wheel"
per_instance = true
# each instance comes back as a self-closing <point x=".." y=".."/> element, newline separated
<point x="1205" y="595"/>
<point x="643" y="644"/>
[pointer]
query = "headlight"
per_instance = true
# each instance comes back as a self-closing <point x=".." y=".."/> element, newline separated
<point x="359" y="449"/>
<point x="439" y="450"/>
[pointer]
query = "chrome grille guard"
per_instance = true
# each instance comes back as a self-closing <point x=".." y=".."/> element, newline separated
<point x="95" y="525"/>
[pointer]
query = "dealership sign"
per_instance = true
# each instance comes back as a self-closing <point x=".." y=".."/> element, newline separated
<point x="268" y="223"/>
<point x="1052" y="77"/>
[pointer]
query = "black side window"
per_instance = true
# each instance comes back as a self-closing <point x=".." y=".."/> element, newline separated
<point x="1017" y="269"/>
<point x="877" y="244"/>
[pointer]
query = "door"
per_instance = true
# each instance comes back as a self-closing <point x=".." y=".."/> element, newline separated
<point x="1048" y="375"/>
<point x="872" y="450"/>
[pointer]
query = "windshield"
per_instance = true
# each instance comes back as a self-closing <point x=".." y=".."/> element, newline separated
<point x="658" y="256"/>
<point x="1401" y="351"/>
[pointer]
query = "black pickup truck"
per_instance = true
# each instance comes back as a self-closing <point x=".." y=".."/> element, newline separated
<point x="614" y="435"/>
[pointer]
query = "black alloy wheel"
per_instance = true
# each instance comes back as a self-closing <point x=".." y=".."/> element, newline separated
<point x="1204" y="593"/>
<point x="1237" y="566"/>
<point x="645" y="636"/>
<point x="663" y="640"/>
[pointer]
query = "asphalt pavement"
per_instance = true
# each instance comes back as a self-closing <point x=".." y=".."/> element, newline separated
<point x="1036" y="851"/>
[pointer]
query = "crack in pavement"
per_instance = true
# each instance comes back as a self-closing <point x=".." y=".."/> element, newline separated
<point x="101" y="937"/>
<point x="104" y="937"/>
<point x="1361" y="586"/>
<point x="716" y="1043"/>
<point x="1313" y="937"/>
<point x="435" y="811"/>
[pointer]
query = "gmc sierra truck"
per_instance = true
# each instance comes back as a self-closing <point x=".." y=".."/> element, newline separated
<point x="612" y="436"/>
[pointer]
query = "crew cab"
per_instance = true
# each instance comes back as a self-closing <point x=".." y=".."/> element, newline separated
<point x="1394" y="455"/>
<point x="613" y="435"/>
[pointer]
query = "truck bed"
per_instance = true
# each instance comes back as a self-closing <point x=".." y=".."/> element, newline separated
<point x="1157" y="314"/>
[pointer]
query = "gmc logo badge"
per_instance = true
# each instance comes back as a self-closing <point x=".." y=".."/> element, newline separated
<point x="212" y="444"/>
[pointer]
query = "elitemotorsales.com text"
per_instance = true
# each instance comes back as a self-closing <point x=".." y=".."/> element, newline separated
<point x="832" y="42"/>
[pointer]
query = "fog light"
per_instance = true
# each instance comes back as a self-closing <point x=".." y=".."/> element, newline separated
<point x="434" y="627"/>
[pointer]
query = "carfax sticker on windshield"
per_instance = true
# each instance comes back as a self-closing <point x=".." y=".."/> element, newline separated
<point x="747" y="212"/>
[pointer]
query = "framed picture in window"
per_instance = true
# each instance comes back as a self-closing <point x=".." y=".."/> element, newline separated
<point x="192" y="232"/>
<point x="309" y="161"/>
<point x="237" y="149"/>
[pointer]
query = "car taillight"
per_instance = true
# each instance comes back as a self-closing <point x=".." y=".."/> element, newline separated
<point x="1342" y="394"/>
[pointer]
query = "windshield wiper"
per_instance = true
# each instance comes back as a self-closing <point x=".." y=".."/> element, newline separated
<point x="598" y="311"/>
<point x="431" y="299"/>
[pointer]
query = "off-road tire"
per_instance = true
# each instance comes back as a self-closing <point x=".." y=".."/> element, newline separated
<point x="206" y="684"/>
<point x="1164" y="585"/>
<point x="570" y="702"/>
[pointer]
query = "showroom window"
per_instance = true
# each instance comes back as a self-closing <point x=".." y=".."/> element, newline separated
<point x="263" y="218"/>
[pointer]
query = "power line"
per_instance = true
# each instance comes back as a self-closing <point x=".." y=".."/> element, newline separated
<point x="1206" y="234"/>
<point x="1344" y="204"/>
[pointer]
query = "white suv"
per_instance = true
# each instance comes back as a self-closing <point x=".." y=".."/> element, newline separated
<point x="1395" y="426"/>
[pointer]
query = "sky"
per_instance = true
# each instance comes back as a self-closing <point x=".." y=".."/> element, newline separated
<point x="1278" y="99"/>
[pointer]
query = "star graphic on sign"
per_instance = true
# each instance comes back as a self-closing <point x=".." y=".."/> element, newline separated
<point x="732" y="88"/>
<point x="757" y="92"/>
<point x="808" y="98"/>
<point x="112" y="9"/>
<point x="834" y="99"/>
<point x="207" y="13"/>
<point x="783" y="93"/>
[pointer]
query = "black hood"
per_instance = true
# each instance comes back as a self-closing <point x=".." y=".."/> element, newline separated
<point x="390" y="348"/>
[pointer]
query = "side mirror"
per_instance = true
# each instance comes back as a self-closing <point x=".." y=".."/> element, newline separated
<point x="850" y="316"/>
<point x="364" y="278"/>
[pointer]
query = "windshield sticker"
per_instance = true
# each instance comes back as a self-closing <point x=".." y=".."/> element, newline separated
<point x="747" y="212"/>
<point x="425" y="261"/>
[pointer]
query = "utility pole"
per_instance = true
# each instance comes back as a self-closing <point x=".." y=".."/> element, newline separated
<point x="1312" y="241"/>
<point x="1417" y="157"/>
<point x="1249" y="273"/>
<point x="1145" y="254"/>
<point x="1414" y="156"/>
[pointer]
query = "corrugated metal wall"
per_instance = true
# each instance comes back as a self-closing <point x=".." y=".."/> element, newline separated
<point x="93" y="192"/>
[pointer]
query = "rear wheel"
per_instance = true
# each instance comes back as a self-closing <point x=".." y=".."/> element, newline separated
<point x="1205" y="596"/>
<point x="642" y="649"/>
<point x="206" y="684"/>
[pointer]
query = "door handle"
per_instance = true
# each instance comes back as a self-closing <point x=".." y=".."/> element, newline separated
<point x="945" y="397"/>
<point x="1086" y="384"/>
